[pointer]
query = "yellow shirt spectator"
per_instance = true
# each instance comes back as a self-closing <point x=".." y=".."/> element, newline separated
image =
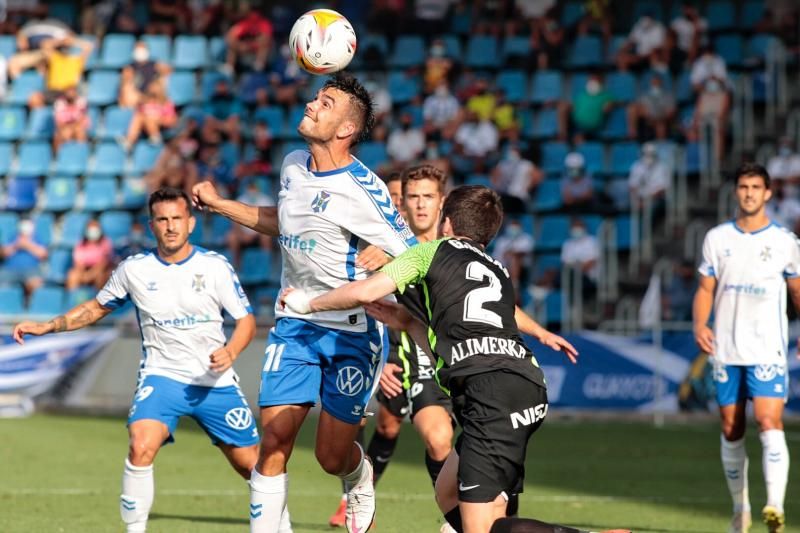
<point x="64" y="71"/>
<point x="503" y="117"/>
<point x="482" y="105"/>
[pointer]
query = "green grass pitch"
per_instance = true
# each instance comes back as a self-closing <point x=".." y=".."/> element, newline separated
<point x="60" y="473"/>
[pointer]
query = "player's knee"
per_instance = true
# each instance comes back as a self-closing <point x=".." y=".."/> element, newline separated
<point x="142" y="452"/>
<point x="389" y="427"/>
<point x="438" y="442"/>
<point x="732" y="431"/>
<point x="768" y="422"/>
<point x="331" y="463"/>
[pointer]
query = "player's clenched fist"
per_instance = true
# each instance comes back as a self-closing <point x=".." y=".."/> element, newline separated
<point x="204" y="194"/>
<point x="222" y="359"/>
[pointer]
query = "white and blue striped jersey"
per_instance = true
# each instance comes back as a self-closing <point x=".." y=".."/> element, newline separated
<point x="325" y="219"/>
<point x="750" y="323"/>
<point x="179" y="308"/>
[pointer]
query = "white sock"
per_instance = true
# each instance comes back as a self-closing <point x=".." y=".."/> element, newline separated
<point x="734" y="463"/>
<point x="286" y="521"/>
<point x="354" y="478"/>
<point x="776" y="466"/>
<point x="268" y="502"/>
<point x="137" y="496"/>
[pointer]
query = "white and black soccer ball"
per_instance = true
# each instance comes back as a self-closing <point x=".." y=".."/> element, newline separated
<point x="322" y="41"/>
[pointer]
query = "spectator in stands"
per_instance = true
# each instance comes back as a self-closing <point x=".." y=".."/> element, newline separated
<point x="504" y="117"/>
<point x="155" y="113"/>
<point x="482" y="100"/>
<point x="438" y="67"/>
<point x="784" y="167"/>
<point x="136" y="243"/>
<point x="649" y="177"/>
<point x="30" y="39"/>
<point x="175" y="166"/>
<point x="587" y="112"/>
<point x="582" y="251"/>
<point x="209" y="18"/>
<point x="406" y="143"/>
<point x="431" y="16"/>
<point x="678" y="295"/>
<point x="71" y="117"/>
<point x="597" y="18"/>
<point x="91" y="259"/>
<point x="169" y="17"/>
<point x="381" y="100"/>
<point x="655" y="107"/>
<point x="690" y="28"/>
<point x="222" y="112"/>
<point x="441" y="111"/>
<point x="239" y="236"/>
<point x="212" y="166"/>
<point x="577" y="188"/>
<point x="286" y="78"/>
<point x="17" y="12"/>
<point x="64" y="70"/>
<point x="784" y="208"/>
<point x="22" y="258"/>
<point x="3" y="78"/>
<point x="514" y="178"/>
<point x="709" y="78"/>
<point x="260" y="163"/>
<point x="138" y="76"/>
<point x="514" y="248"/>
<point x="475" y="141"/>
<point x="547" y="38"/>
<point x="249" y="42"/>
<point x="647" y="36"/>
<point x="108" y="16"/>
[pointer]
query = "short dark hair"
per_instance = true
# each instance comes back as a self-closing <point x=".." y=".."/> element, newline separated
<point x="750" y="169"/>
<point x="424" y="172"/>
<point x="475" y="212"/>
<point x="394" y="176"/>
<point x="168" y="194"/>
<point x="360" y="103"/>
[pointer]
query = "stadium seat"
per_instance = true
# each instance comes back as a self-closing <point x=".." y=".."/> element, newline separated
<point x="198" y="234"/>
<point x="33" y="158"/>
<point x="593" y="223"/>
<point x="218" y="229"/>
<point x="585" y="52"/>
<point x="548" y="196"/>
<point x="160" y="47"/>
<point x="616" y="126"/>
<point x="229" y="153"/>
<point x="103" y="87"/>
<point x="21" y="193"/>
<point x="594" y="155"/>
<point x="623" y="226"/>
<point x="11" y="300"/>
<point x="108" y="160"/>
<point x="40" y="124"/>
<point x="99" y="194"/>
<point x="23" y="87"/>
<point x="93" y="61"/>
<point x="577" y="83"/>
<point x="189" y="52"/>
<point x="554" y="308"/>
<point x="478" y="179"/>
<point x="252" y="270"/>
<point x="553" y="231"/>
<point x="43" y="227"/>
<point x="545" y="125"/>
<point x="6" y="156"/>
<point x="757" y="49"/>
<point x="692" y="158"/>
<point x="623" y="155"/>
<point x="216" y="50"/>
<point x="481" y="52"/>
<point x="571" y="13"/>
<point x="8" y="227"/>
<point x="752" y="12"/>
<point x="683" y="88"/>
<point x="617" y="42"/>
<point x="59" y="193"/>
<point x="77" y="296"/>
<point x="144" y="157"/>
<point x="622" y="86"/>
<point x="721" y="15"/>
<point x="133" y="193"/>
<point x="452" y="46"/>
<point x="545" y="86"/>
<point x="273" y="117"/>
<point x="545" y="262"/>
<point x="372" y="154"/>
<point x="409" y="51"/>
<point x="518" y="46"/>
<point x="208" y="80"/>
<point x="250" y="84"/>
<point x="374" y="40"/>
<point x="514" y="84"/>
<point x="72" y="228"/>
<point x="181" y="88"/>
<point x="8" y="45"/>
<point x="12" y="123"/>
<point x="666" y="80"/>
<point x="116" y="50"/>
<point x="403" y="87"/>
<point x="116" y="226"/>
<point x="553" y="154"/>
<point x="47" y="301"/>
<point x="731" y="48"/>
<point x="115" y="123"/>
<point x="59" y="261"/>
<point x="71" y="159"/>
<point x="642" y="7"/>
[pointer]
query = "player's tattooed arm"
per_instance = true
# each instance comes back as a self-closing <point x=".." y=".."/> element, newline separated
<point x="78" y="317"/>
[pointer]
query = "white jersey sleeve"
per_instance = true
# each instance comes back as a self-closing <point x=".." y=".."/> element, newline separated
<point x="116" y="291"/>
<point x="707" y="266"/>
<point x="229" y="290"/>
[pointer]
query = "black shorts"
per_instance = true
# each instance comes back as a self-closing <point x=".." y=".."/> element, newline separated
<point x="398" y="405"/>
<point x="424" y="393"/>
<point x="498" y="412"/>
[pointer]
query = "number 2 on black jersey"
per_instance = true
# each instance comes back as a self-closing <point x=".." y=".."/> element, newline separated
<point x="476" y="298"/>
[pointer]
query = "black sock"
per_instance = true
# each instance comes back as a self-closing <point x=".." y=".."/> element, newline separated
<point x="433" y="466"/>
<point x="528" y="525"/>
<point x="453" y="518"/>
<point x="512" y="508"/>
<point x="380" y="450"/>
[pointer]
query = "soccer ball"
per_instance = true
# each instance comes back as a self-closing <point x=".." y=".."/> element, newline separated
<point x="322" y="41"/>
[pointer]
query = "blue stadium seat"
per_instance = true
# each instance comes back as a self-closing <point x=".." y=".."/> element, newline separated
<point x="683" y="88"/>
<point x="208" y="81"/>
<point x="642" y="7"/>
<point x="481" y="52"/>
<point x="666" y="80"/>
<point x="516" y="46"/>
<point x="11" y="300"/>
<point x="585" y="52"/>
<point x="617" y="42"/>
<point x="372" y="154"/>
<point x="94" y="121"/>
<point x="452" y="46"/>
<point x="752" y="12"/>
<point x="33" y="158"/>
<point x="272" y="116"/>
<point x="24" y="86"/>
<point x="571" y="13"/>
<point x="692" y="158"/>
<point x="103" y="87"/>
<point x="721" y="15"/>
<point x="77" y="296"/>
<point x="72" y="158"/>
<point x="93" y="61"/>
<point x="553" y="154"/>
<point x="8" y="45"/>
<point x="116" y="226"/>
<point x="109" y="160"/>
<point x="554" y="308"/>
<point x="757" y="49"/>
<point x="189" y="52"/>
<point x="250" y="84"/>
<point x="594" y="155"/>
<point x="374" y="40"/>
<point x="21" y="193"/>
<point x="253" y="269"/>
<point x="623" y="226"/>
<point x="218" y="230"/>
<point x="59" y="261"/>
<point x="548" y="196"/>
<point x="409" y="51"/>
<point x="144" y="157"/>
<point x="12" y="123"/>
<point x="622" y="85"/>
<point x="623" y="155"/>
<point x="545" y="262"/>
<point x="198" y="234"/>
<point x="43" y="227"/>
<point x="545" y="125"/>
<point x="553" y="231"/>
<point x="160" y="47"/>
<point x="99" y="194"/>
<point x="546" y="86"/>
<point x="133" y="193"/>
<point x="616" y="126"/>
<point x="59" y="193"/>
<point x="577" y="83"/>
<point x="115" y="123"/>
<point x="229" y="153"/>
<point x="731" y="48"/>
<point x="216" y="50"/>
<point x="514" y="85"/>
<point x="478" y="179"/>
<point x="72" y="228"/>
<point x="402" y="87"/>
<point x="40" y="124"/>
<point x="47" y="301"/>
<point x="6" y="155"/>
<point x="8" y="227"/>
<point x="116" y="50"/>
<point x="181" y="88"/>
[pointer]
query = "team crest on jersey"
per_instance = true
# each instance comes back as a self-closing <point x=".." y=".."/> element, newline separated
<point x="320" y="202"/>
<point x="400" y="222"/>
<point x="199" y="283"/>
<point x="766" y="254"/>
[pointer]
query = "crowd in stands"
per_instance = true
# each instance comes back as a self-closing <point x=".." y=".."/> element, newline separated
<point x="571" y="111"/>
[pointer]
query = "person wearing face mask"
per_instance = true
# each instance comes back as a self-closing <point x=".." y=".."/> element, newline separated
<point x="137" y="76"/>
<point x="438" y="67"/>
<point x="582" y="250"/>
<point x="405" y="143"/>
<point x="586" y="112"/>
<point x="476" y="140"/>
<point x="577" y="188"/>
<point x="656" y="108"/>
<point x="690" y="28"/>
<point x="71" y="117"/>
<point x="514" y="178"/>
<point x="784" y="167"/>
<point x="440" y="111"/>
<point x="647" y="36"/>
<point x="91" y="259"/>
<point x="514" y="248"/>
<point x="22" y="258"/>
<point x="709" y="78"/>
<point x="649" y="177"/>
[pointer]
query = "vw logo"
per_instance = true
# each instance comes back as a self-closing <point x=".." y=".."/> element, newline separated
<point x="766" y="372"/>
<point x="239" y="418"/>
<point x="144" y="392"/>
<point x="350" y="380"/>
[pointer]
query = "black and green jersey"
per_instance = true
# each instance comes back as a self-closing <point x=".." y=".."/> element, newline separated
<point x="416" y="364"/>
<point x="469" y="305"/>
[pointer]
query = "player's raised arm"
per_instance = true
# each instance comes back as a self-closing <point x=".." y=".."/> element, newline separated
<point x="263" y="219"/>
<point x="78" y="317"/>
<point x="348" y="296"/>
<point x="529" y="326"/>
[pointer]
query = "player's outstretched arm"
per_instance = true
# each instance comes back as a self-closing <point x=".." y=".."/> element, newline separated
<point x="794" y="292"/>
<point x="529" y="326"/>
<point x="262" y="219"/>
<point x="244" y="331"/>
<point x="348" y="296"/>
<point x="78" y="317"/>
<point x="701" y="311"/>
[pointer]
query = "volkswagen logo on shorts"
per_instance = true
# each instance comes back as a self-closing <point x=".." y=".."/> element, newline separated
<point x="239" y="418"/>
<point x="143" y="393"/>
<point x="350" y="380"/>
<point x="767" y="372"/>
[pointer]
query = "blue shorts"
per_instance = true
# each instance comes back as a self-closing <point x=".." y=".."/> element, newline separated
<point x="304" y="362"/>
<point x="221" y="411"/>
<point x="737" y="383"/>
